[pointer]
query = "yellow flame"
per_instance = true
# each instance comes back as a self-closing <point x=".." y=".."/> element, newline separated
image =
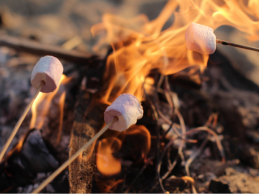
<point x="38" y="99"/>
<point x="139" y="45"/>
<point x="106" y="163"/>
<point x="42" y="103"/>
<point x="61" y="108"/>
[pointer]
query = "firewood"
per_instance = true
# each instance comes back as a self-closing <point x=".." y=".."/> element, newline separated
<point x="82" y="169"/>
<point x="128" y="110"/>
<point x="88" y="121"/>
<point x="78" y="153"/>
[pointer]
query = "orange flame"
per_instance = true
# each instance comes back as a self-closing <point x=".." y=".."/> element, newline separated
<point x="61" y="108"/>
<point x="139" y="45"/>
<point x="142" y="138"/>
<point x="41" y="105"/>
<point x="107" y="164"/>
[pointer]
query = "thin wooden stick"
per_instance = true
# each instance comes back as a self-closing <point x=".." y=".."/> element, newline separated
<point x="72" y="158"/>
<point x="34" y="47"/>
<point x="18" y="124"/>
<point x="223" y="42"/>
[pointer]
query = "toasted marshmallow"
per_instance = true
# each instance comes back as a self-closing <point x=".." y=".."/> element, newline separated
<point x="49" y="70"/>
<point x="200" y="38"/>
<point x="127" y="109"/>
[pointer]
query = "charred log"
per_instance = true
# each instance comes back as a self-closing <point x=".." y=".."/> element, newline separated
<point x="22" y="166"/>
<point x="88" y="121"/>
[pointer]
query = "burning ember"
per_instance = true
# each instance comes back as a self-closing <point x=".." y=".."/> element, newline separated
<point x="174" y="129"/>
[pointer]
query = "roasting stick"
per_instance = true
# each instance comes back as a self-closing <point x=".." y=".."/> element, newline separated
<point x="202" y="39"/>
<point x="223" y="42"/>
<point x="119" y="116"/>
<point x="73" y="157"/>
<point x="45" y="78"/>
<point x="18" y="124"/>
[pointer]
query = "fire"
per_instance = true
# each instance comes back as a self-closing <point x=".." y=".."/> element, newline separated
<point x="140" y="136"/>
<point x="39" y="110"/>
<point x="140" y="45"/>
<point x="107" y="164"/>
<point x="61" y="108"/>
<point x="137" y="137"/>
<point x="42" y="104"/>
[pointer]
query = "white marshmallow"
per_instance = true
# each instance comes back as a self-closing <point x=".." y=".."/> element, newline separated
<point x="49" y="70"/>
<point x="200" y="38"/>
<point x="127" y="109"/>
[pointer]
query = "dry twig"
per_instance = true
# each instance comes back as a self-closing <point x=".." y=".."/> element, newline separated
<point x="37" y="48"/>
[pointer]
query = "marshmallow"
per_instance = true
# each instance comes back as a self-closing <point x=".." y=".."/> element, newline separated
<point x="49" y="70"/>
<point x="127" y="109"/>
<point x="200" y="38"/>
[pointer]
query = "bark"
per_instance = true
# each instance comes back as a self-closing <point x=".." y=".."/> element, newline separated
<point x="85" y="127"/>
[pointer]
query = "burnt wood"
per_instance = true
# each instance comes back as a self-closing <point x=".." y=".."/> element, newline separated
<point x="88" y="121"/>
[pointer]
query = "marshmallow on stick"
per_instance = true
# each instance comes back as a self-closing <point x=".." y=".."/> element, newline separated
<point x="202" y="39"/>
<point x="45" y="77"/>
<point x="127" y="109"/>
<point x="49" y="70"/>
<point x="119" y="116"/>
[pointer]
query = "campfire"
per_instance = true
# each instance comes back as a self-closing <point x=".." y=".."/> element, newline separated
<point x="156" y="107"/>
